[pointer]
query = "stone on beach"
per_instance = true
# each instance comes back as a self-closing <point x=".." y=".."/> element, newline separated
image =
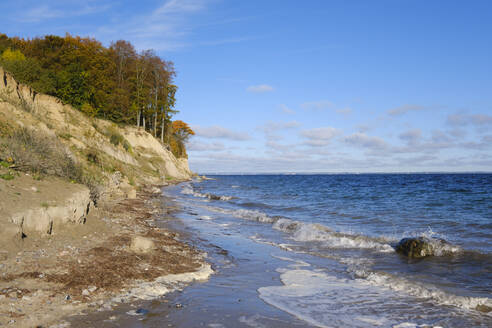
<point x="141" y="244"/>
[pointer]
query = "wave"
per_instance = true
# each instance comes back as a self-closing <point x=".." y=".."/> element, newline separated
<point x="188" y="190"/>
<point x="324" y="300"/>
<point x="314" y="232"/>
<point x="251" y="215"/>
<point x="327" y="300"/>
<point x="421" y="290"/>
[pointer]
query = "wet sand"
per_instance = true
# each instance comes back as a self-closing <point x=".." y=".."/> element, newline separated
<point x="229" y="298"/>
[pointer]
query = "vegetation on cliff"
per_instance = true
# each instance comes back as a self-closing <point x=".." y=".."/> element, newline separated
<point x="116" y="83"/>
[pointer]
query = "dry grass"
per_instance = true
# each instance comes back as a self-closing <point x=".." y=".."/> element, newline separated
<point x="41" y="154"/>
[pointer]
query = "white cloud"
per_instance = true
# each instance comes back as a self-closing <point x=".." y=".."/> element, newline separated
<point x="227" y="41"/>
<point x="317" y="105"/>
<point x="270" y="126"/>
<point x="346" y="110"/>
<point x="261" y="88"/>
<point x="286" y="109"/>
<point x="412" y="137"/>
<point x="180" y="6"/>
<point x="195" y="145"/>
<point x="404" y="109"/>
<point x="319" y="137"/>
<point x="45" y="12"/>
<point x="218" y="132"/>
<point x="363" y="140"/>
<point x="473" y="119"/>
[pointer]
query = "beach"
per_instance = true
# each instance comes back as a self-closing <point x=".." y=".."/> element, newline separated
<point x="97" y="265"/>
<point x="285" y="271"/>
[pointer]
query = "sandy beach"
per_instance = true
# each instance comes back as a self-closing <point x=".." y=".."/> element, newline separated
<point x="46" y="279"/>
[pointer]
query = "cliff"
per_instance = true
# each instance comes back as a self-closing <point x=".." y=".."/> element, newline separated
<point x="111" y="160"/>
<point x="60" y="253"/>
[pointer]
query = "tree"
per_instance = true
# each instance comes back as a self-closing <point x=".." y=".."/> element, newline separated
<point x="113" y="82"/>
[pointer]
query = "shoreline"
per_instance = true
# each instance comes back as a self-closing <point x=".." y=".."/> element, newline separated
<point x="98" y="265"/>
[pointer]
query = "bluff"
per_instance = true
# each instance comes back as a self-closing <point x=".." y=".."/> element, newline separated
<point x="86" y="158"/>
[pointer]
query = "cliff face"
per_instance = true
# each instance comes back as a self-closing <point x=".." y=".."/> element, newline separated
<point x="115" y="159"/>
<point x="138" y="155"/>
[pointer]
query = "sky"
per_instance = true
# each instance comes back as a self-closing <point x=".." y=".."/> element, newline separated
<point x="307" y="86"/>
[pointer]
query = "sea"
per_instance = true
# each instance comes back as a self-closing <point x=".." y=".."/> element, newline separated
<point x="321" y="248"/>
<point x="319" y="251"/>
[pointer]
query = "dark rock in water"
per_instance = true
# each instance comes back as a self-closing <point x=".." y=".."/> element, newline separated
<point x="142" y="311"/>
<point x="483" y="308"/>
<point x="415" y="247"/>
<point x="213" y="197"/>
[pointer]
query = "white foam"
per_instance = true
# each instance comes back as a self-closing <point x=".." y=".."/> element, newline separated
<point x="165" y="284"/>
<point x="421" y="290"/>
<point x="308" y="232"/>
<point x="251" y="215"/>
<point x="325" y="300"/>
<point x="188" y="190"/>
<point x="206" y="217"/>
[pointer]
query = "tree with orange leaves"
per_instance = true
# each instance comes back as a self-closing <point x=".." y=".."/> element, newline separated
<point x="182" y="131"/>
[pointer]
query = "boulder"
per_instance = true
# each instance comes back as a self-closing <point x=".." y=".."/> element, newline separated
<point x="141" y="244"/>
<point x="415" y="247"/>
<point x="131" y="194"/>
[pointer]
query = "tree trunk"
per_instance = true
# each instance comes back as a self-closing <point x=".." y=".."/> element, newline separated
<point x="138" y="119"/>
<point x="144" y="122"/>
<point x="162" y="130"/>
<point x="155" y="124"/>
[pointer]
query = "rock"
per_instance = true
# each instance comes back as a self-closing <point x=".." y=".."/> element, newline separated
<point x="67" y="298"/>
<point x="156" y="190"/>
<point x="141" y="244"/>
<point x="142" y="311"/>
<point x="131" y="194"/>
<point x="213" y="197"/>
<point x="85" y="292"/>
<point x="416" y="247"/>
<point x="4" y="256"/>
<point x="483" y="308"/>
<point x="92" y="289"/>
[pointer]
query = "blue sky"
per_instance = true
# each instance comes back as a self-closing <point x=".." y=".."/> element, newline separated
<point x="308" y="86"/>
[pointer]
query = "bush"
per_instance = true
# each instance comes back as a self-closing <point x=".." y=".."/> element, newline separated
<point x="115" y="138"/>
<point x="41" y="154"/>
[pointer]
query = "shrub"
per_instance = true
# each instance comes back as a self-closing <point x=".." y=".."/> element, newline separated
<point x="6" y="176"/>
<point x="41" y="154"/>
<point x="115" y="138"/>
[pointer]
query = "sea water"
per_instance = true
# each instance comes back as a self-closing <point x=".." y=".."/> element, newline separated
<point x="328" y="245"/>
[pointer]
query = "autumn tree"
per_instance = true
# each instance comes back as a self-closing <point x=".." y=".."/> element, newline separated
<point x="181" y="133"/>
<point x="116" y="82"/>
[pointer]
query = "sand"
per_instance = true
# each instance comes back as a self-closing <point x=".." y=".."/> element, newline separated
<point x="93" y="266"/>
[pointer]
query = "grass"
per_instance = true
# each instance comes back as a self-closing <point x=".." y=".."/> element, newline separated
<point x="6" y="176"/>
<point x="4" y="164"/>
<point x="65" y="136"/>
<point x="41" y="154"/>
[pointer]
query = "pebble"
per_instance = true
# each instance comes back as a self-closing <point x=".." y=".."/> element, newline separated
<point x="85" y="292"/>
<point x="142" y="311"/>
<point x="92" y="289"/>
<point x="179" y="306"/>
<point x="67" y="298"/>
